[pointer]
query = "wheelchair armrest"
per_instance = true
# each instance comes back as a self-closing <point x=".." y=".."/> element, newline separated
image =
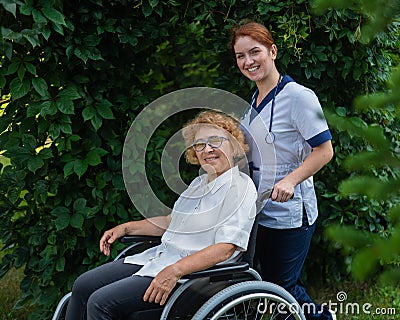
<point x="218" y="270"/>
<point x="150" y="239"/>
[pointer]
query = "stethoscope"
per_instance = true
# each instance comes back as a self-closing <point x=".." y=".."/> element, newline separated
<point x="270" y="136"/>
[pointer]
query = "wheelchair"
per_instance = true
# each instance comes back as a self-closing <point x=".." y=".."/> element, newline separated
<point x="228" y="291"/>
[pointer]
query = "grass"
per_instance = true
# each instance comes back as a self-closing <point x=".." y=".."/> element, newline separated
<point x="360" y="300"/>
<point x="368" y="295"/>
<point x="9" y="295"/>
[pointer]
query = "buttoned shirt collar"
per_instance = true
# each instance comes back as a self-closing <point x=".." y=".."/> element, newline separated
<point x="214" y="185"/>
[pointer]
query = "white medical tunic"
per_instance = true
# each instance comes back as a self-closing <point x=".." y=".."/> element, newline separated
<point x="298" y="125"/>
<point x="220" y="211"/>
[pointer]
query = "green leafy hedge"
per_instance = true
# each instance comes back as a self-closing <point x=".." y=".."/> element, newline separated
<point x="74" y="74"/>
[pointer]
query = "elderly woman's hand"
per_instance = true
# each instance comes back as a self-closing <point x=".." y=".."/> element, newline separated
<point x="162" y="285"/>
<point x="110" y="236"/>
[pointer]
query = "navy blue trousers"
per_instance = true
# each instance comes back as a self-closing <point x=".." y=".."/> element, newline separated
<point x="281" y="254"/>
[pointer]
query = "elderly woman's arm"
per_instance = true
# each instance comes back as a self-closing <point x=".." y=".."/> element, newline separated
<point x="155" y="226"/>
<point x="165" y="281"/>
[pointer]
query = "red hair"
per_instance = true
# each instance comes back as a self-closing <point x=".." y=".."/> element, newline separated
<point x="254" y="30"/>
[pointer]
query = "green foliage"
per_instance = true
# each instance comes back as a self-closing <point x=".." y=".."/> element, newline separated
<point x="73" y="77"/>
<point x="377" y="13"/>
<point x="377" y="168"/>
<point x="376" y="175"/>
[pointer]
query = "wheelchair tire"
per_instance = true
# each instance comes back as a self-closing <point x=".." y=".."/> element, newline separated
<point x="250" y="300"/>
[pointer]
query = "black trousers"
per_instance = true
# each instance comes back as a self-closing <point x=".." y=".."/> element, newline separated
<point x="108" y="292"/>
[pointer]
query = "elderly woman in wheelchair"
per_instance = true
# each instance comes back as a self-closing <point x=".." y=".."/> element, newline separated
<point x="190" y="269"/>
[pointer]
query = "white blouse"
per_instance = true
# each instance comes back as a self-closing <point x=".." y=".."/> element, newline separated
<point x="220" y="211"/>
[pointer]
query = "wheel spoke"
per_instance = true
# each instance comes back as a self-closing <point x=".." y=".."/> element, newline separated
<point x="250" y="301"/>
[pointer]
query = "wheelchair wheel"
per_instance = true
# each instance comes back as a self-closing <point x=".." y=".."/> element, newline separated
<point x="256" y="300"/>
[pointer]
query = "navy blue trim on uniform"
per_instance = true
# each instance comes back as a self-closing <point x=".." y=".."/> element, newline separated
<point x="320" y="138"/>
<point x="285" y="80"/>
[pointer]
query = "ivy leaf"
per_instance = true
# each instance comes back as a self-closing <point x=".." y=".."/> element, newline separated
<point x="153" y="3"/>
<point x="10" y="6"/>
<point x="80" y="204"/>
<point x="66" y="128"/>
<point x="40" y="85"/>
<point x="25" y="9"/>
<point x="31" y="68"/>
<point x="68" y="169"/>
<point x="29" y="142"/>
<point x="81" y="54"/>
<point x="45" y="153"/>
<point x="308" y="73"/>
<point x="38" y="16"/>
<point x="12" y="68"/>
<point x="19" y="88"/>
<point x="48" y="108"/>
<point x="77" y="221"/>
<point x="146" y="8"/>
<point x="96" y="121"/>
<point x="46" y="32"/>
<point x="68" y="94"/>
<point x="54" y="131"/>
<point x="34" y="164"/>
<point x="60" y="265"/>
<point x="59" y="210"/>
<point x="80" y="167"/>
<point x="100" y="223"/>
<point x="104" y="110"/>
<point x="341" y="111"/>
<point x="57" y="28"/>
<point x="31" y="36"/>
<point x="88" y="113"/>
<point x="94" y="54"/>
<point x="21" y="72"/>
<point x="54" y="15"/>
<point x="65" y="106"/>
<point x="62" y="221"/>
<point x="93" y="158"/>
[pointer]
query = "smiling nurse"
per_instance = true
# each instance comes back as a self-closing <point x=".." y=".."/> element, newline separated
<point x="293" y="121"/>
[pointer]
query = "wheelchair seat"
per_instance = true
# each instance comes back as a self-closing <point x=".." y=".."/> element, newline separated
<point x="226" y="291"/>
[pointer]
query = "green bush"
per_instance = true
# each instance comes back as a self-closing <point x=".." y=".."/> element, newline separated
<point x="75" y="74"/>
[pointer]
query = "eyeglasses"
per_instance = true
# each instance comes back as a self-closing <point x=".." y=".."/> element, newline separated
<point x="214" y="142"/>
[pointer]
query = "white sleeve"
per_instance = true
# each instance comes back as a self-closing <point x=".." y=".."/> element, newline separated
<point x="307" y="115"/>
<point x="237" y="215"/>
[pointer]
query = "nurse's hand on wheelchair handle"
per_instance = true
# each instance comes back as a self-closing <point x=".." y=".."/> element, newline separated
<point x="280" y="194"/>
